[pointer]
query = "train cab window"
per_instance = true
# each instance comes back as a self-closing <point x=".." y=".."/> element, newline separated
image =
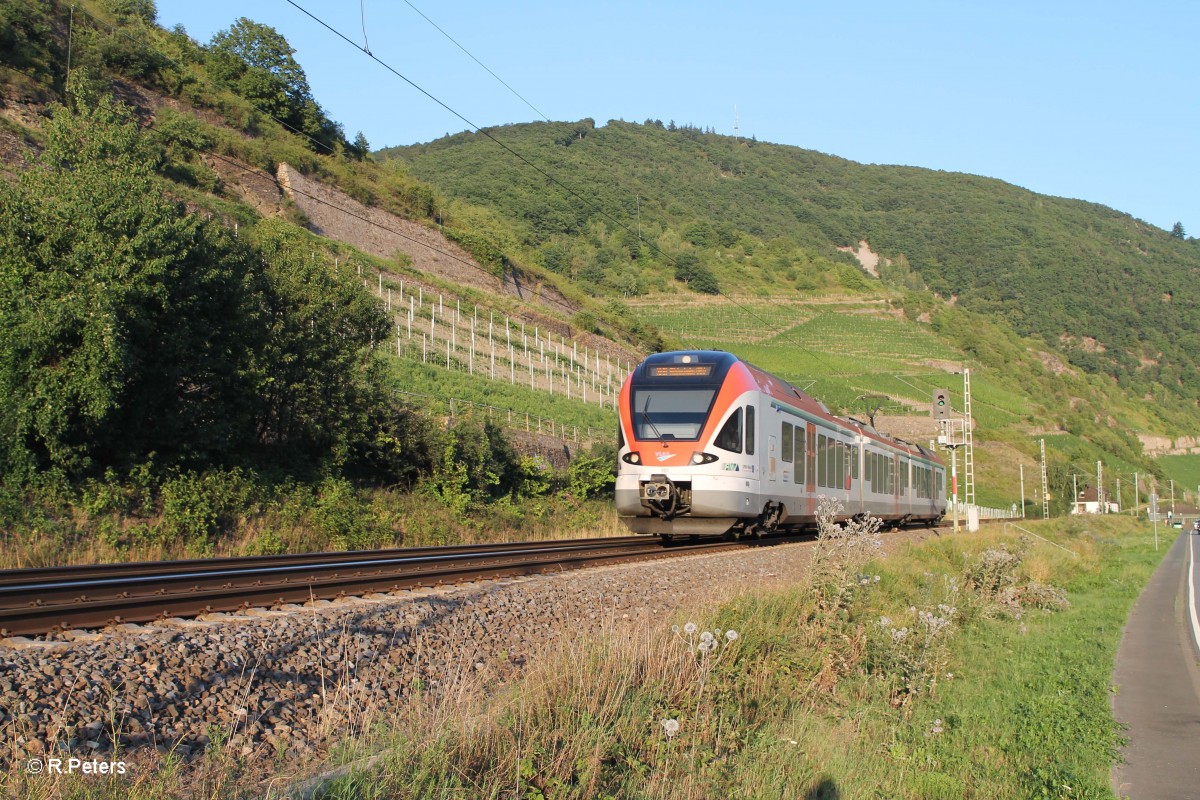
<point x="730" y="436"/>
<point x="663" y="413"/>
<point x="749" y="430"/>
<point x="788" y="438"/>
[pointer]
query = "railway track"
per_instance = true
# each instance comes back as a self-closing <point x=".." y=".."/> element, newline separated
<point x="42" y="600"/>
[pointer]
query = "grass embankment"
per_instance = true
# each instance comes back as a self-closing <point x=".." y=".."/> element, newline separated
<point x="959" y="673"/>
<point x="976" y="666"/>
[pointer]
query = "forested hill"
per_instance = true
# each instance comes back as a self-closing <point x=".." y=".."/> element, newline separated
<point x="1113" y="293"/>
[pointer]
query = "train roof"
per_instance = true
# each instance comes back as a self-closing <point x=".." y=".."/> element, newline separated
<point x="714" y="366"/>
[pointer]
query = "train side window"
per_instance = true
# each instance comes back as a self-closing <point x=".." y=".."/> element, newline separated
<point x="854" y="462"/>
<point x="730" y="436"/>
<point x="801" y="436"/>
<point x="749" y="430"/>
<point x="811" y="455"/>
<point x="822" y="463"/>
<point x="787" y="442"/>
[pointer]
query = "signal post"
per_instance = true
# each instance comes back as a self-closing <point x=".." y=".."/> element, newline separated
<point x="953" y="435"/>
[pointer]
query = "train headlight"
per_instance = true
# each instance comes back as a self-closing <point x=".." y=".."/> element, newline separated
<point x="703" y="458"/>
<point x="632" y="458"/>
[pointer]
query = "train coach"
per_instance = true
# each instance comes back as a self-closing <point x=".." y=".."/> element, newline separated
<point x="711" y="445"/>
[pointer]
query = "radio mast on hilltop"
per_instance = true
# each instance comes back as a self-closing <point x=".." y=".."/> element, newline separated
<point x="735" y="125"/>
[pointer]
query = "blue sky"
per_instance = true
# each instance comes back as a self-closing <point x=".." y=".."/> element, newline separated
<point x="1092" y="100"/>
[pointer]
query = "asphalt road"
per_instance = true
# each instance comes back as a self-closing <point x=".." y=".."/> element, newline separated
<point x="1157" y="680"/>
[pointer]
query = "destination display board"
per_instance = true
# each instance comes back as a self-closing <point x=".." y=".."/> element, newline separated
<point x="681" y="370"/>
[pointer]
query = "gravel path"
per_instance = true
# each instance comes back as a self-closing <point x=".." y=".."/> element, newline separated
<point x="291" y="681"/>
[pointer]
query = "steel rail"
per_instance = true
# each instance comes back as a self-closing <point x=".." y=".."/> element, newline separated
<point x="35" y="607"/>
<point x="26" y="575"/>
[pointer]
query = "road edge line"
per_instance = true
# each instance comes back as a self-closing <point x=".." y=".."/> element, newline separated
<point x="1192" y="590"/>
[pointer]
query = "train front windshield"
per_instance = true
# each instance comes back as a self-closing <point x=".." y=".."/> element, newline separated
<point x="663" y="413"/>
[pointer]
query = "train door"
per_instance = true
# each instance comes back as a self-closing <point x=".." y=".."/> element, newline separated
<point x="906" y="498"/>
<point x="858" y="475"/>
<point x="772" y="456"/>
<point x="847" y="456"/>
<point x="810" y="455"/>
<point x="896" y="509"/>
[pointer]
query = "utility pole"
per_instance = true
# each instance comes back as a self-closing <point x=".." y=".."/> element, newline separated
<point x="1045" y="485"/>
<point x="1100" y="505"/>
<point x="1074" y="493"/>
<point x="954" y="483"/>
<point x="1022" y="466"/>
<point x="1137" y="498"/>
<point x="950" y="441"/>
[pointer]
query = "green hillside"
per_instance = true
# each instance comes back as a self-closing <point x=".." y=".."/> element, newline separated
<point x="300" y="397"/>
<point x="1113" y="294"/>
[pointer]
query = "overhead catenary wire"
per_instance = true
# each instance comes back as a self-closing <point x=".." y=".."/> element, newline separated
<point x="570" y="310"/>
<point x="518" y="95"/>
<point x="548" y="176"/>
<point x="545" y="174"/>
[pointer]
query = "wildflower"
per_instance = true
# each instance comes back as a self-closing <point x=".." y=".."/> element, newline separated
<point x="704" y="647"/>
<point x="670" y="727"/>
<point x="674" y="629"/>
<point x="706" y="637"/>
<point x="689" y="628"/>
<point x="937" y="727"/>
<point x="899" y="636"/>
<point x="885" y="622"/>
<point x="876" y="579"/>
<point x="731" y="635"/>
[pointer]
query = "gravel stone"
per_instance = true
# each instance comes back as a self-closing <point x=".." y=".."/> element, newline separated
<point x="289" y="677"/>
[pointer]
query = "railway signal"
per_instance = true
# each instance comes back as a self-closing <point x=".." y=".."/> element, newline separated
<point x="941" y="404"/>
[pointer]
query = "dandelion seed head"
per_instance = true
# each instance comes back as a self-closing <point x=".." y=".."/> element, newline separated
<point x="674" y="629"/>
<point x="706" y="637"/>
<point x="670" y="727"/>
<point x="731" y="635"/>
<point x="689" y="627"/>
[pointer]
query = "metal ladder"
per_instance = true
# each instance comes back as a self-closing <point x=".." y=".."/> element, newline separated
<point x="969" y="439"/>
<point x="1045" y="487"/>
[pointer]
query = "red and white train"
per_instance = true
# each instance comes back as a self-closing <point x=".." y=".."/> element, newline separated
<point x="712" y="445"/>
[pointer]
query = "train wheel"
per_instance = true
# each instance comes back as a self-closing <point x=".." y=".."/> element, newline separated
<point x="666" y="538"/>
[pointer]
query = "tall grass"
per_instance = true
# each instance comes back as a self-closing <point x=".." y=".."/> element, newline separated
<point x="1003" y="693"/>
<point x="1006" y="698"/>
